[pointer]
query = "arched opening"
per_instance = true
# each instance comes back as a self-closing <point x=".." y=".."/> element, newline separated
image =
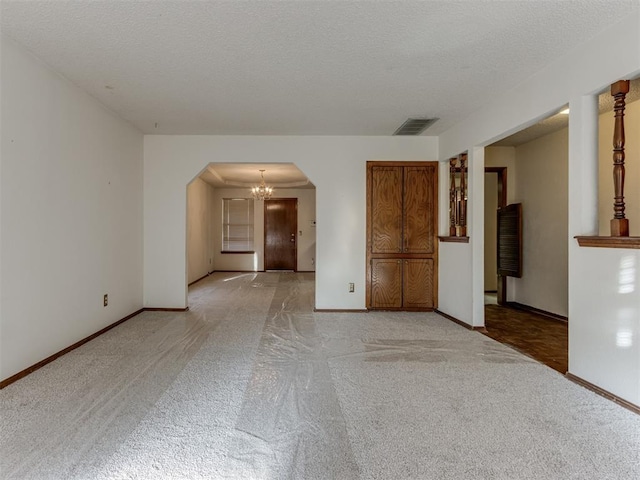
<point x="228" y="228"/>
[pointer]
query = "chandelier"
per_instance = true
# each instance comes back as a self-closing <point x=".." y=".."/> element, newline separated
<point x="262" y="192"/>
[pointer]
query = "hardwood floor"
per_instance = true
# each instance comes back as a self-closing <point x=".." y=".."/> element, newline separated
<point x="535" y="335"/>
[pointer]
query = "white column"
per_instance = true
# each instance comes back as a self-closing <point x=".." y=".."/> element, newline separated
<point x="583" y="166"/>
<point x="475" y="228"/>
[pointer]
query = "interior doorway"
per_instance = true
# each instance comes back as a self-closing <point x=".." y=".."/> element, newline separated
<point x="537" y="335"/>
<point x="280" y="234"/>
<point x="220" y="243"/>
<point x="530" y="308"/>
<point x="495" y="199"/>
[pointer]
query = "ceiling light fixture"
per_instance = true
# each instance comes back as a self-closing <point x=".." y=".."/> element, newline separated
<point x="262" y="192"/>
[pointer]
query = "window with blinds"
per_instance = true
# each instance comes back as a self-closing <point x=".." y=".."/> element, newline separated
<point x="237" y="225"/>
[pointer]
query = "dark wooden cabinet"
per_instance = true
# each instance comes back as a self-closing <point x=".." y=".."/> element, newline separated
<point x="402" y="235"/>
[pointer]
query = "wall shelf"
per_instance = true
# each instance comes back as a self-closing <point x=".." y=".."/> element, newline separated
<point x="609" y="242"/>
<point x="454" y="239"/>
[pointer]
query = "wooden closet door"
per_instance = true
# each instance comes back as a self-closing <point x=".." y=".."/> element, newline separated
<point x="386" y="283"/>
<point x="419" y="202"/>
<point x="386" y="210"/>
<point x="418" y="290"/>
<point x="402" y="249"/>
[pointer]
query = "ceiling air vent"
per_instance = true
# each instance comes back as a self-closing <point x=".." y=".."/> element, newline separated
<point x="415" y="126"/>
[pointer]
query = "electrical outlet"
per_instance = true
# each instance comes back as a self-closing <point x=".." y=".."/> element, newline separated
<point x="106" y="299"/>
<point x="352" y="287"/>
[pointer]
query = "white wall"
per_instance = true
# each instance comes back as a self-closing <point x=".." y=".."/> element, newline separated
<point x="601" y="313"/>
<point x="71" y="218"/>
<point x="455" y="278"/>
<point x="504" y="157"/>
<point x="632" y="169"/>
<point x="200" y="202"/>
<point x="458" y="275"/>
<point x="306" y="236"/>
<point x="306" y="227"/>
<point x="335" y="165"/>
<point x="541" y="187"/>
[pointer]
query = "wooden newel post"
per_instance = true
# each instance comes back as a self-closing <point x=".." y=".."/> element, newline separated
<point x="452" y="196"/>
<point x="619" y="224"/>
<point x="463" y="195"/>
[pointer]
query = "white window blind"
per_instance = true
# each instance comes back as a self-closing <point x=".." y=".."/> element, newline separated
<point x="237" y="225"/>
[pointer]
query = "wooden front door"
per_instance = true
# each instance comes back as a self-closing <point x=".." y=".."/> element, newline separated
<point x="280" y="228"/>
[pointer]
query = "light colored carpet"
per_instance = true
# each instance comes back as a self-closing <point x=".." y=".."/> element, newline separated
<point x="251" y="384"/>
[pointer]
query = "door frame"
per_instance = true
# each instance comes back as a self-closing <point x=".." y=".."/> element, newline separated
<point x="502" y="202"/>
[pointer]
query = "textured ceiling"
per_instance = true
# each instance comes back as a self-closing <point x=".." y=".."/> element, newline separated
<point x="543" y="127"/>
<point x="559" y="121"/>
<point x="308" y="67"/>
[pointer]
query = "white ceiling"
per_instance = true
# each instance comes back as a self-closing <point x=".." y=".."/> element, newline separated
<point x="559" y="121"/>
<point x="300" y="67"/>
